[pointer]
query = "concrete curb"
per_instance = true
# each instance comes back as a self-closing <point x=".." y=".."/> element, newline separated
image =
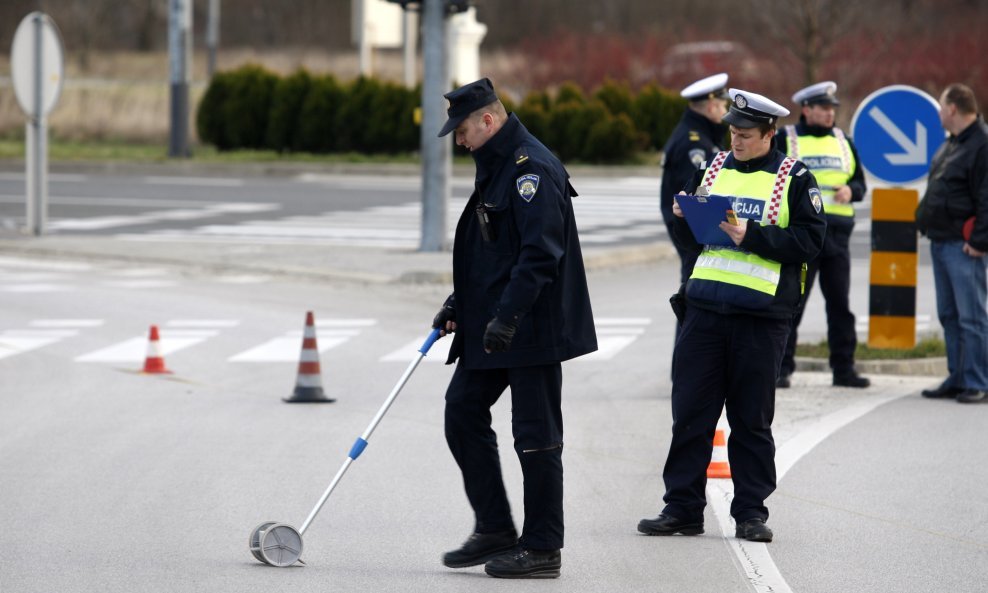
<point x="929" y="367"/>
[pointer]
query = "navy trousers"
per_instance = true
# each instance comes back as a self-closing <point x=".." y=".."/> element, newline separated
<point x="723" y="360"/>
<point x="537" y="427"/>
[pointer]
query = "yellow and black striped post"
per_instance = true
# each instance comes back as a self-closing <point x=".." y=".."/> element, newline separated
<point x="892" y="302"/>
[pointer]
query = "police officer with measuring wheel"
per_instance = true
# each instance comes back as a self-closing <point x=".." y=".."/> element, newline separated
<point x="740" y="301"/>
<point x="694" y="141"/>
<point x="833" y="159"/>
<point x="519" y="307"/>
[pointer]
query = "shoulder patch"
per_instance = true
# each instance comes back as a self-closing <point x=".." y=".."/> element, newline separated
<point x="816" y="199"/>
<point x="694" y="136"/>
<point x="527" y="186"/>
<point x="521" y="155"/>
<point x="698" y="157"/>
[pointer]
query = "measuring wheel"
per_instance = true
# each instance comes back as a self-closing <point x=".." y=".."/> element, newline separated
<point x="276" y="544"/>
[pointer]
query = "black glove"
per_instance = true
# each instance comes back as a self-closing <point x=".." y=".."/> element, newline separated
<point x="497" y="337"/>
<point x="447" y="313"/>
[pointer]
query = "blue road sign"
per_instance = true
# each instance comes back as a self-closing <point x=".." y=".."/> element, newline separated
<point x="896" y="130"/>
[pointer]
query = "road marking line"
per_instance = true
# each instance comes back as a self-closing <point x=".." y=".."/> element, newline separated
<point x="195" y="181"/>
<point x="754" y="558"/>
<point x="330" y="333"/>
<point x="63" y="323"/>
<point x="18" y="341"/>
<point x="24" y="288"/>
<point x="199" y="323"/>
<point x="135" y="349"/>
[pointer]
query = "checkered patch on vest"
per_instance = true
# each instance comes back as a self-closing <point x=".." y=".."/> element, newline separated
<point x="527" y="186"/>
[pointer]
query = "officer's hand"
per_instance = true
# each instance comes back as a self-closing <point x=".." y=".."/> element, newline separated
<point x="736" y="232"/>
<point x="842" y="195"/>
<point x="445" y="319"/>
<point x="497" y="337"/>
<point x="675" y="205"/>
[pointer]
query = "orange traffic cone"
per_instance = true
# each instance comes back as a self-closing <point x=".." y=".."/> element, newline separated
<point x="308" y="383"/>
<point x="719" y="466"/>
<point x="154" y="363"/>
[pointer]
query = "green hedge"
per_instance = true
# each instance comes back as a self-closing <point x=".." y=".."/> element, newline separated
<point x="252" y="108"/>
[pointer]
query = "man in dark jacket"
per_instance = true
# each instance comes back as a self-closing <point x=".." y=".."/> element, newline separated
<point x="694" y="141"/>
<point x="519" y="307"/>
<point x="956" y="191"/>
<point x="740" y="299"/>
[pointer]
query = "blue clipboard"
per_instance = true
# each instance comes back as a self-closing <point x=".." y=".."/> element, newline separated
<point x="704" y="215"/>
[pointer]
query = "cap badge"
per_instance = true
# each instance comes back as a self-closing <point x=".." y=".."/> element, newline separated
<point x="740" y="101"/>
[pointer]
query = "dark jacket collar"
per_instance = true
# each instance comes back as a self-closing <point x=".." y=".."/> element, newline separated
<point x="696" y="121"/>
<point x="499" y="147"/>
<point x="970" y="130"/>
<point x="760" y="163"/>
<point x="805" y="129"/>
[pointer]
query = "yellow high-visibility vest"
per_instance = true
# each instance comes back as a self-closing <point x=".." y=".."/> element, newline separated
<point x="732" y="274"/>
<point x="830" y="160"/>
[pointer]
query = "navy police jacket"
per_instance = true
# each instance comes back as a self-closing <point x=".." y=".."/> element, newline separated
<point x="695" y="140"/>
<point x="519" y="258"/>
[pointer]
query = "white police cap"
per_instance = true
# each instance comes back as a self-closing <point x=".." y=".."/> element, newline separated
<point x="748" y="110"/>
<point x="706" y="88"/>
<point x="821" y="92"/>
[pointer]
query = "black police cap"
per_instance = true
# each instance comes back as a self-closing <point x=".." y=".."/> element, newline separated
<point x="465" y="100"/>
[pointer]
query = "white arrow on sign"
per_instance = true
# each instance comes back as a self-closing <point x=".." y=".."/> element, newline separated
<point x="915" y="152"/>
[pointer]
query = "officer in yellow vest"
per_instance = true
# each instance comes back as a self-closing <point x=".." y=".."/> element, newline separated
<point x="832" y="158"/>
<point x="740" y="301"/>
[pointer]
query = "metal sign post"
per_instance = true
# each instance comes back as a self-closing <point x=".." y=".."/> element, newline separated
<point x="897" y="130"/>
<point x="37" y="70"/>
<point x="180" y="50"/>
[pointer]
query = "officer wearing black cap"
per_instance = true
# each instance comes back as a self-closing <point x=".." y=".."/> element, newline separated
<point x="832" y="157"/>
<point x="739" y="304"/>
<point x="519" y="307"/>
<point x="695" y="140"/>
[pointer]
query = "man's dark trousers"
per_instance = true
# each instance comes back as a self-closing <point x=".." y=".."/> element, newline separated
<point x="537" y="426"/>
<point x="720" y="360"/>
<point x="834" y="267"/>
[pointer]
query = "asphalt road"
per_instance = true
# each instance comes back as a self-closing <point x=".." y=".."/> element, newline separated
<point x="117" y="481"/>
<point x="312" y="208"/>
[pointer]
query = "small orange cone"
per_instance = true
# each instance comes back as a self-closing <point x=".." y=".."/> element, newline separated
<point x="308" y="383"/>
<point x="719" y="466"/>
<point x="154" y="363"/>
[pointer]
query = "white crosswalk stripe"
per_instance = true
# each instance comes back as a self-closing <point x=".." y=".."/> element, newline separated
<point x="330" y="333"/>
<point x="135" y="349"/>
<point x="613" y="335"/>
<point x="607" y="211"/>
<point x="18" y="341"/>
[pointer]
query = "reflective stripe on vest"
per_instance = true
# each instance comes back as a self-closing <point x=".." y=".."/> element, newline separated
<point x="760" y="197"/>
<point x="830" y="160"/>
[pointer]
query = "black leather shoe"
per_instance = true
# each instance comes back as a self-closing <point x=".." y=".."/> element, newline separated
<point x="481" y="547"/>
<point x="971" y="396"/>
<point x="941" y="392"/>
<point x="851" y="379"/>
<point x="668" y="525"/>
<point x="525" y="563"/>
<point x="753" y="530"/>
<point x="783" y="382"/>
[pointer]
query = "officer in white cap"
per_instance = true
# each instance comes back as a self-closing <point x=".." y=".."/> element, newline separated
<point x="739" y="305"/>
<point x="833" y="159"/>
<point x="695" y="140"/>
